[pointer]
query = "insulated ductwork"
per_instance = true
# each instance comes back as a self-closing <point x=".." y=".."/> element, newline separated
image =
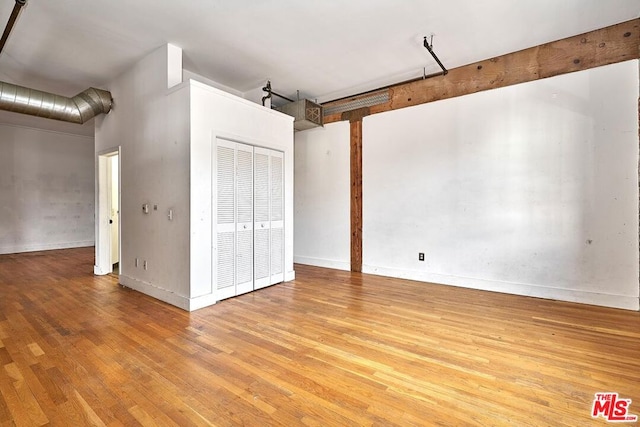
<point x="307" y="114"/>
<point x="79" y="109"/>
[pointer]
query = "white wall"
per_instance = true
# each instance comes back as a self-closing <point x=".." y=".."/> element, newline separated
<point x="322" y="196"/>
<point x="530" y="189"/>
<point x="215" y="113"/>
<point x="190" y="75"/>
<point x="150" y="123"/>
<point x="46" y="190"/>
<point x="165" y="138"/>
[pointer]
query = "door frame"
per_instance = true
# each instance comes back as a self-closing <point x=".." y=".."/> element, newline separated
<point x="102" y="215"/>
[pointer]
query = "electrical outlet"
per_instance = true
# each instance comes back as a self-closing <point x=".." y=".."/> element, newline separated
<point x="420" y="256"/>
<point x="144" y="265"/>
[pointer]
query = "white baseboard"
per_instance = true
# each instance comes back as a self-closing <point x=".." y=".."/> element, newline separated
<point x="185" y="303"/>
<point x="34" y="247"/>
<point x="156" y="292"/>
<point x="322" y="262"/>
<point x="289" y="276"/>
<point x="99" y="272"/>
<point x="570" y="295"/>
<point x="202" y="302"/>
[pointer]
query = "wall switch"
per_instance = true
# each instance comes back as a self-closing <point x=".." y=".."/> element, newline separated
<point x="144" y="265"/>
<point x="145" y="208"/>
<point x="136" y="262"/>
<point x="420" y="256"/>
<point x="170" y="214"/>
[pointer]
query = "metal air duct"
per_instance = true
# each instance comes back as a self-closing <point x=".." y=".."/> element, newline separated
<point x="307" y="114"/>
<point x="79" y="109"/>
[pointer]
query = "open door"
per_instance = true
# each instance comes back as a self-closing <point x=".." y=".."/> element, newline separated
<point x="114" y="209"/>
<point x="108" y="212"/>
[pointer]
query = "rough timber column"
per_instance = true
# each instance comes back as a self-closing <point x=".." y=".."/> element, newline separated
<point x="355" y="118"/>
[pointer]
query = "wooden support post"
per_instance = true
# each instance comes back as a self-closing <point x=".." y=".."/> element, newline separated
<point x="610" y="45"/>
<point x="355" y="118"/>
<point x="356" y="195"/>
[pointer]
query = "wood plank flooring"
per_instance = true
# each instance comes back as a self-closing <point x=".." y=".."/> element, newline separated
<point x="329" y="349"/>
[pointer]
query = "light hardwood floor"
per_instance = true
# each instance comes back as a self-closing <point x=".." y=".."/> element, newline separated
<point x="330" y="349"/>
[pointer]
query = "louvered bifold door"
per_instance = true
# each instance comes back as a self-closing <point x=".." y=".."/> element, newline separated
<point x="277" y="216"/>
<point x="262" y="215"/>
<point x="244" y="219"/>
<point x="249" y="218"/>
<point x="225" y="221"/>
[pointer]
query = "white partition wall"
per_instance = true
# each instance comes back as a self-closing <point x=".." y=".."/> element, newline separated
<point x="167" y="131"/>
<point x="264" y="139"/>
<point x="151" y="126"/>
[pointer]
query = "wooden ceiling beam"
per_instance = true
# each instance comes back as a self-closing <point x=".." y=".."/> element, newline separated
<point x="616" y="43"/>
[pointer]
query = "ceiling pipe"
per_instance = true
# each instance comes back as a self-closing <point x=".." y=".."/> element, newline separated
<point x="270" y="92"/>
<point x="19" y="99"/>
<point x="429" y="47"/>
<point x="79" y="109"/>
<point x="11" y="22"/>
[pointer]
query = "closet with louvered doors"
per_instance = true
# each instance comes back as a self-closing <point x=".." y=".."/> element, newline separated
<point x="268" y="217"/>
<point x="249" y="206"/>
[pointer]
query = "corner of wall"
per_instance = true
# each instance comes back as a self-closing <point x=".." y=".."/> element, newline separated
<point x="151" y="125"/>
<point x="174" y="65"/>
<point x="156" y="292"/>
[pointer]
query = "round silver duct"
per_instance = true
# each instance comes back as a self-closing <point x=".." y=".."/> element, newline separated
<point x="79" y="109"/>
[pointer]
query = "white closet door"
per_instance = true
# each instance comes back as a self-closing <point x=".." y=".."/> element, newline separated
<point x="277" y="216"/>
<point x="244" y="218"/>
<point x="249" y="222"/>
<point x="262" y="213"/>
<point x="225" y="221"/>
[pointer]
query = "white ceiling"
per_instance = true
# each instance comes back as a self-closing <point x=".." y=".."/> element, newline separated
<point x="325" y="49"/>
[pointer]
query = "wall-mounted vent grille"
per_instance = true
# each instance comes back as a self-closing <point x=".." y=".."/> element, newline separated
<point x="365" y="101"/>
<point x="307" y="114"/>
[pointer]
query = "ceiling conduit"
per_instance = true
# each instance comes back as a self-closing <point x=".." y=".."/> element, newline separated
<point x="11" y="22"/>
<point x="19" y="99"/>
